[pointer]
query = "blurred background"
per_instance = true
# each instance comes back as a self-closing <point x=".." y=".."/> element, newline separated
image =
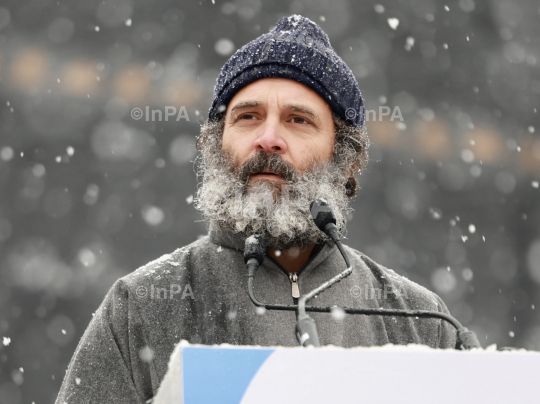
<point x="450" y="198"/>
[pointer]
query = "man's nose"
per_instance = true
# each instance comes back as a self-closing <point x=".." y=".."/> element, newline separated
<point x="271" y="140"/>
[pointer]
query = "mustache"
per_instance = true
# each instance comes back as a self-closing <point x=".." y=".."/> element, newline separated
<point x="264" y="161"/>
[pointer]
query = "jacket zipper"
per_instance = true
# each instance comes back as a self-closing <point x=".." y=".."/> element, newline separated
<point x="293" y="276"/>
<point x="294" y="284"/>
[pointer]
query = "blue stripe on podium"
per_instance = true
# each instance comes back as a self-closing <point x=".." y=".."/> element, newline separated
<point x="219" y="375"/>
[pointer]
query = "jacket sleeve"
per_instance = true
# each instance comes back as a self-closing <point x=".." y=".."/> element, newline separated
<point x="447" y="332"/>
<point x="100" y="370"/>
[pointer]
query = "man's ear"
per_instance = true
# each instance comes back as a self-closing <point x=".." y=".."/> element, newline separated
<point x="354" y="169"/>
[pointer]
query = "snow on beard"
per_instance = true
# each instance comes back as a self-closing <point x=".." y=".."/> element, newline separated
<point x="277" y="210"/>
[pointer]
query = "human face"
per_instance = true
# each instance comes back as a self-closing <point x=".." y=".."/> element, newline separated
<point x="279" y="116"/>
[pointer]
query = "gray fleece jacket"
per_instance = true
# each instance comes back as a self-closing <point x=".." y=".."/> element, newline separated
<point x="199" y="293"/>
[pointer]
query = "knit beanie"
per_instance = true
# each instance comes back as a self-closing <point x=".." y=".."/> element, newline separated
<point x="297" y="49"/>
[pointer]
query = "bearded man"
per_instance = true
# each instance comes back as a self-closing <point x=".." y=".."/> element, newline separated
<point x="286" y="127"/>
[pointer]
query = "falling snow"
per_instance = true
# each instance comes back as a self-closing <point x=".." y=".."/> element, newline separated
<point x="106" y="191"/>
<point x="393" y="23"/>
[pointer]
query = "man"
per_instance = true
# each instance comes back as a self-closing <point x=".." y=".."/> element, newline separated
<point x="285" y="127"/>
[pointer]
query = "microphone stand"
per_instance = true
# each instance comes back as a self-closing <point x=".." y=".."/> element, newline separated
<point x="306" y="330"/>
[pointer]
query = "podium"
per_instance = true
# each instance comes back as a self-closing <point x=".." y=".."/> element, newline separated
<point x="228" y="374"/>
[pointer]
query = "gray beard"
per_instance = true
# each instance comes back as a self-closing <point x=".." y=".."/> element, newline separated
<point x="277" y="211"/>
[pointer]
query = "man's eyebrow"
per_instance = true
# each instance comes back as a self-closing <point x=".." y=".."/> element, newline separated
<point x="302" y="110"/>
<point x="246" y="104"/>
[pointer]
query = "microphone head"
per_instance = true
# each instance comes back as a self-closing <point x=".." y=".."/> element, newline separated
<point x="322" y="214"/>
<point x="254" y="248"/>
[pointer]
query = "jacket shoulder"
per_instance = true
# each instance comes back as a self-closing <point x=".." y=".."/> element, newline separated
<point x="414" y="297"/>
<point x="168" y="267"/>
<point x="417" y="296"/>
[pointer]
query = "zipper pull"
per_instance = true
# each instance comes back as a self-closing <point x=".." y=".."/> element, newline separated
<point x="294" y="283"/>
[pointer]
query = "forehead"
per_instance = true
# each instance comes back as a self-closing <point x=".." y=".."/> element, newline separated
<point x="283" y="92"/>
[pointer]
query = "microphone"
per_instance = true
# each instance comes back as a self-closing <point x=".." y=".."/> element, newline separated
<point x="254" y="252"/>
<point x="254" y="249"/>
<point x="306" y="329"/>
<point x="324" y="218"/>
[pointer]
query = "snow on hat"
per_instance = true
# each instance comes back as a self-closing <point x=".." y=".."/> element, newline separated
<point x="297" y="49"/>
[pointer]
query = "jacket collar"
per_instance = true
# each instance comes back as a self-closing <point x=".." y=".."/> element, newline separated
<point x="236" y="241"/>
<point x="225" y="238"/>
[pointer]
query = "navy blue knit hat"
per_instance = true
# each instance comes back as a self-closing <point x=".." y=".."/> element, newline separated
<point x="297" y="49"/>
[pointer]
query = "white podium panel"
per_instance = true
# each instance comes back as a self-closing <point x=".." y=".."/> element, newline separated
<point x="412" y="374"/>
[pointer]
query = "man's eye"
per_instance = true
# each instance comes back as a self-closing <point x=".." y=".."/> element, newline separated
<point x="300" y="120"/>
<point x="247" y="117"/>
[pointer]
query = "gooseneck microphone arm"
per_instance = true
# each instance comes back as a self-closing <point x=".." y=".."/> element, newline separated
<point x="254" y="252"/>
<point x="306" y="330"/>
